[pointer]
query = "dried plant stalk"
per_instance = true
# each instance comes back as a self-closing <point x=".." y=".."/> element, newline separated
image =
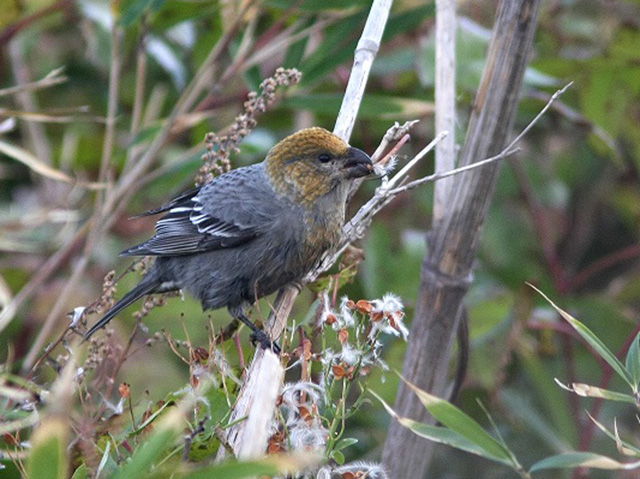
<point x="365" y="53"/>
<point x="219" y="148"/>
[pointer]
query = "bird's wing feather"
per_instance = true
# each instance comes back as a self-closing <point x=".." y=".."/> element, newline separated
<point x="228" y="212"/>
<point x="173" y="203"/>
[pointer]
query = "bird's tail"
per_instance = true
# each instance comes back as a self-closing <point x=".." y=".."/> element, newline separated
<point x="144" y="288"/>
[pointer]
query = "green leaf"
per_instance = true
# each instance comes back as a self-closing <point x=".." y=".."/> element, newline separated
<point x="346" y="442"/>
<point x="141" y="427"/>
<point x="48" y="459"/>
<point x="270" y="466"/>
<point x="82" y="472"/>
<point x="295" y="52"/>
<point x="593" y="341"/>
<point x="338" y="457"/>
<point x="624" y="447"/>
<point x="407" y="20"/>
<point x="148" y="454"/>
<point x="338" y="46"/>
<point x="520" y="406"/>
<point x="135" y="9"/>
<point x="148" y="133"/>
<point x="633" y="361"/>
<point x="315" y="5"/>
<point x="174" y="12"/>
<point x="572" y="460"/>
<point x="373" y="107"/>
<point x="553" y="401"/>
<point x="460" y="422"/>
<point x="444" y="435"/>
<point x="586" y="390"/>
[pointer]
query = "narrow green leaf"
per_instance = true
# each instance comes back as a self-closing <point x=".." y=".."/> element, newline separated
<point x="448" y="436"/>
<point x="295" y="52"/>
<point x="407" y="20"/>
<point x="234" y="470"/>
<point x="586" y="390"/>
<point x="82" y="472"/>
<point x="593" y="341"/>
<point x="373" y="107"/>
<point x="132" y="12"/>
<point x="555" y="403"/>
<point x="338" y="45"/>
<point x="48" y="459"/>
<point x="460" y="422"/>
<point x="346" y="442"/>
<point x="270" y="466"/>
<point x="572" y="460"/>
<point x="338" y="457"/>
<point x="520" y="406"/>
<point x="632" y="361"/>
<point x="315" y="5"/>
<point x="152" y="417"/>
<point x="160" y="440"/>
<point x="623" y="447"/>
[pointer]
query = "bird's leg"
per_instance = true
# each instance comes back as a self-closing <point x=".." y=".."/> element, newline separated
<point x="228" y="331"/>
<point x="257" y="335"/>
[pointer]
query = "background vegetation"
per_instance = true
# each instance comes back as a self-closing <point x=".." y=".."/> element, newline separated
<point x="566" y="215"/>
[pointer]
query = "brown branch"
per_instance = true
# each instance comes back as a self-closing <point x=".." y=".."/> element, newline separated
<point x="447" y="267"/>
<point x="9" y="32"/>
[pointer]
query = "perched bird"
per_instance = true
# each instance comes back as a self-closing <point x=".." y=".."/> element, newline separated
<point x="253" y="230"/>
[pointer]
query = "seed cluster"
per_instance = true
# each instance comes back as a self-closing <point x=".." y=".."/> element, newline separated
<point x="219" y="148"/>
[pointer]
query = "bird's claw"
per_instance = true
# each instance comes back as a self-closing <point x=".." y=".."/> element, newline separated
<point x="261" y="338"/>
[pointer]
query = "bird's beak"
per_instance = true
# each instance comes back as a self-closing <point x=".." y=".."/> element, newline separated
<point x="357" y="164"/>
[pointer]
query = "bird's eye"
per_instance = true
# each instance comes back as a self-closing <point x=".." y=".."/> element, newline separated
<point x="324" y="158"/>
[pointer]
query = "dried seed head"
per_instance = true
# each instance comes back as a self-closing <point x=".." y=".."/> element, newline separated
<point x="216" y="159"/>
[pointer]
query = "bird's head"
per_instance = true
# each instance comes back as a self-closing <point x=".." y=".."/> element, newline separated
<point x="313" y="162"/>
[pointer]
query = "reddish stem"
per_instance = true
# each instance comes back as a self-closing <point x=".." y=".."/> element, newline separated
<point x="9" y="32"/>
<point x="602" y="264"/>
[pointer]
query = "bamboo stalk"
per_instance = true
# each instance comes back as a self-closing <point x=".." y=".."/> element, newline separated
<point x="445" y="96"/>
<point x="447" y="268"/>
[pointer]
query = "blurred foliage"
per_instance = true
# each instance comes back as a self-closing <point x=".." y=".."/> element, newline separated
<point x="566" y="214"/>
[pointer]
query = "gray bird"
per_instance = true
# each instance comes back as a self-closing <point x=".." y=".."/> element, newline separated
<point x="253" y="230"/>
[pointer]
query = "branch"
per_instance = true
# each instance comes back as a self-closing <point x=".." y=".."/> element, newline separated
<point x="54" y="77"/>
<point x="445" y="98"/>
<point x="365" y="53"/>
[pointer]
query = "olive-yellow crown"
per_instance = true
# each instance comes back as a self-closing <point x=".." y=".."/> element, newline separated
<point x="307" y="164"/>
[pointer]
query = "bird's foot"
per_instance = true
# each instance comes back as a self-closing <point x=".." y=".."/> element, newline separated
<point x="261" y="338"/>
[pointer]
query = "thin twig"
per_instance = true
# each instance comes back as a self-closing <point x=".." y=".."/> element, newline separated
<point x="395" y="133"/>
<point x="112" y="105"/>
<point x="141" y="75"/>
<point x="457" y="171"/>
<point x="52" y="264"/>
<point x="97" y="217"/>
<point x="403" y="172"/>
<point x="54" y="77"/>
<point x="508" y="151"/>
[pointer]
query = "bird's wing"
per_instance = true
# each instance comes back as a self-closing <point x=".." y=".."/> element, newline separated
<point x="228" y="212"/>
<point x="187" y="195"/>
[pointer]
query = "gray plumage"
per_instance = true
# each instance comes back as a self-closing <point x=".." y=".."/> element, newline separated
<point x="252" y="230"/>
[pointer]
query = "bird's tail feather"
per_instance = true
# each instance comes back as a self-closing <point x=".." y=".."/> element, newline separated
<point x="144" y="288"/>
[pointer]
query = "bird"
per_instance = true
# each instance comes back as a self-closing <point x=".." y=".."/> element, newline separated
<point x="252" y="230"/>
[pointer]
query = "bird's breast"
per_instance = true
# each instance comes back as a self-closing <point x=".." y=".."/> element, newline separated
<point x="323" y="234"/>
